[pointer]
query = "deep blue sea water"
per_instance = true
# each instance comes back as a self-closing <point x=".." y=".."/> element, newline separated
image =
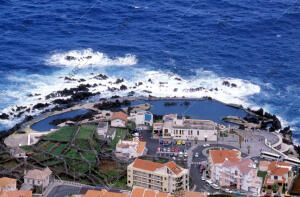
<point x="253" y="44"/>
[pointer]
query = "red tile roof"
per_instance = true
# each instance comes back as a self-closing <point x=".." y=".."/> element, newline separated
<point x="219" y="156"/>
<point x="152" y="166"/>
<point x="119" y="115"/>
<point x="19" y="193"/>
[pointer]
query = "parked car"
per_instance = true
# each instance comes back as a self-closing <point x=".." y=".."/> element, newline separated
<point x="203" y="178"/>
<point x="141" y="137"/>
<point x="176" y="150"/>
<point x="206" y="145"/>
<point x="161" y="141"/>
<point x="180" y="154"/>
<point x="185" y="154"/>
<point x="165" y="150"/>
<point x="183" y="142"/>
<point x="196" y="155"/>
<point x="179" y="142"/>
<point x="169" y="149"/>
<point x="175" y="154"/>
<point x="158" y="149"/>
<point x="208" y="181"/>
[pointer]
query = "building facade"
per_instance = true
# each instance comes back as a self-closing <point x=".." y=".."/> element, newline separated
<point x="186" y="129"/>
<point x="38" y="177"/>
<point x="142" y="118"/>
<point x="168" y="177"/>
<point x="277" y="173"/>
<point x="119" y="119"/>
<point x="228" y="169"/>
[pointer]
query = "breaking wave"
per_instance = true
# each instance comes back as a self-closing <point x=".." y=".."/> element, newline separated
<point x="87" y="58"/>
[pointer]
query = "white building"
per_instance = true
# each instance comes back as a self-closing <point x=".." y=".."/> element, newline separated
<point x="130" y="149"/>
<point x="119" y="119"/>
<point x="186" y="129"/>
<point x="142" y="118"/>
<point x="38" y="177"/>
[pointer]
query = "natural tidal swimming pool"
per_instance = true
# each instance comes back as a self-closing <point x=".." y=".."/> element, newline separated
<point x="196" y="109"/>
<point x="44" y="125"/>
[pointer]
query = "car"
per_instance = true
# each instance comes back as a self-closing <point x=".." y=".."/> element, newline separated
<point x="202" y="178"/>
<point x="141" y="137"/>
<point x="173" y="149"/>
<point x="206" y="145"/>
<point x="158" y="149"/>
<point x="208" y="181"/>
<point x="185" y="154"/>
<point x="176" y="150"/>
<point x="179" y="142"/>
<point x="161" y="141"/>
<point x="183" y="142"/>
<point x="215" y="186"/>
<point x="169" y="149"/>
<point x="175" y="154"/>
<point x="180" y="154"/>
<point x="164" y="150"/>
<point x="197" y="155"/>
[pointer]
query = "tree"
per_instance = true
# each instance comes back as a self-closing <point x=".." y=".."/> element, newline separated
<point x="275" y="187"/>
<point x="196" y="139"/>
<point x="248" y="147"/>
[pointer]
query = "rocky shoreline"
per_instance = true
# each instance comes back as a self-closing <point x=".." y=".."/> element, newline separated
<point x="68" y="98"/>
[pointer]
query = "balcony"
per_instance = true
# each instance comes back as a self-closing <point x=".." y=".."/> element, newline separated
<point x="147" y="181"/>
<point x="146" y="176"/>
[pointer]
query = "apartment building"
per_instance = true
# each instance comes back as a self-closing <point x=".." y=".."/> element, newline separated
<point x="277" y="173"/>
<point x="167" y="177"/>
<point x="130" y="149"/>
<point x="228" y="169"/>
<point x="177" y="127"/>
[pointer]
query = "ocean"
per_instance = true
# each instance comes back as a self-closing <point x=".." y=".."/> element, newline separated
<point x="241" y="52"/>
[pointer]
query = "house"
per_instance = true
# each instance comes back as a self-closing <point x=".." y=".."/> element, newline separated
<point x="105" y="193"/>
<point x="17" y="152"/>
<point x="177" y="127"/>
<point x="277" y="173"/>
<point x="142" y="117"/>
<point x="167" y="177"/>
<point x="228" y="169"/>
<point x="8" y="184"/>
<point x="119" y="119"/>
<point x="130" y="149"/>
<point x="38" y="177"/>
<point x="19" y="193"/>
<point x="102" y="129"/>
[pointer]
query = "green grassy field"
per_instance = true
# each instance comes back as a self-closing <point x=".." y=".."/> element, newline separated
<point x="86" y="131"/>
<point x="262" y="174"/>
<point x="59" y="149"/>
<point x="62" y="135"/>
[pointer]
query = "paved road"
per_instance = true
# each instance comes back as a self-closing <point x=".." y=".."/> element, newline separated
<point x="64" y="190"/>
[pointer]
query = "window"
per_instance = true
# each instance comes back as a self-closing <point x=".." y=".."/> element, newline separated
<point x="197" y="132"/>
<point x="275" y="177"/>
<point x="128" y="181"/>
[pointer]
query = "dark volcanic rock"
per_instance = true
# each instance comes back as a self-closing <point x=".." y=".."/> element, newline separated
<point x="147" y="91"/>
<point x="178" y="79"/>
<point x="123" y="87"/>
<point x="170" y="103"/>
<point x="233" y="85"/>
<point x="131" y="93"/>
<point x="40" y="106"/>
<point x="119" y="81"/>
<point x="101" y="77"/>
<point x="4" y="116"/>
<point x="69" y="58"/>
<point x="110" y="105"/>
<point x="226" y="83"/>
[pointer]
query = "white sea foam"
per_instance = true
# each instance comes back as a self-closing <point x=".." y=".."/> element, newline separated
<point x="88" y="58"/>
